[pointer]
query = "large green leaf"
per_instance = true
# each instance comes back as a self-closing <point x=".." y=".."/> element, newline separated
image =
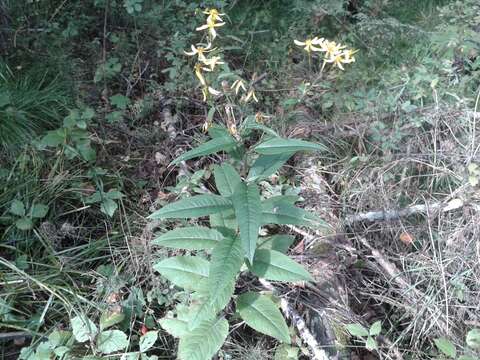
<point x="225" y="219"/>
<point x="273" y="265"/>
<point x="110" y="341"/>
<point x="225" y="263"/>
<point x="278" y="242"/>
<point x="261" y="314"/>
<point x="194" y="206"/>
<point x="266" y="165"/>
<point x="223" y="143"/>
<point x="226" y="179"/>
<point x="178" y="326"/>
<point x="279" y="211"/>
<point x="192" y="238"/>
<point x="203" y="342"/>
<point x="280" y="146"/>
<point x="147" y="340"/>
<point x="248" y="211"/>
<point x="184" y="271"/>
<point x="208" y="307"/>
<point x="83" y="328"/>
<point x="174" y="326"/>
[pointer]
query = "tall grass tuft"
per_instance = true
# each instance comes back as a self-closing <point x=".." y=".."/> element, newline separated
<point x="31" y="102"/>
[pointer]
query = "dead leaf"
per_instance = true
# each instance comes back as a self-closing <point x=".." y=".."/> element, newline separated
<point x="406" y="238"/>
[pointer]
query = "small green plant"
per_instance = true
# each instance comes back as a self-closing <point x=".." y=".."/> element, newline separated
<point x="25" y="219"/>
<point x="230" y="245"/>
<point x="73" y="137"/>
<point x="107" y="70"/>
<point x="366" y="335"/>
<point x="448" y="349"/>
<point x="63" y="344"/>
<point x="133" y="6"/>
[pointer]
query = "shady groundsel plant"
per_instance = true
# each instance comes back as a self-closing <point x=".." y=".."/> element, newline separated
<point x="333" y="53"/>
<point x="225" y="244"/>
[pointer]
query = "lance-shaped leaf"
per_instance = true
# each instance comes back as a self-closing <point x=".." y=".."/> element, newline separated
<point x="280" y="146"/>
<point x="280" y="211"/>
<point x="278" y="242"/>
<point x="248" y="211"/>
<point x="215" y="292"/>
<point x="191" y="238"/>
<point x="184" y="271"/>
<point x="209" y="306"/>
<point x="266" y="165"/>
<point x="194" y="206"/>
<point x="261" y="314"/>
<point x="226" y="179"/>
<point x="273" y="265"/>
<point x="225" y="219"/>
<point x="204" y="341"/>
<point x="223" y="143"/>
<point x="225" y="263"/>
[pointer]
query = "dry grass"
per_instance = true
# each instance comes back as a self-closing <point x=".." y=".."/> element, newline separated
<point x="418" y="274"/>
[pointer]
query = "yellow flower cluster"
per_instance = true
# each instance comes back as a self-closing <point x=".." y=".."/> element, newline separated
<point x="207" y="64"/>
<point x="334" y="53"/>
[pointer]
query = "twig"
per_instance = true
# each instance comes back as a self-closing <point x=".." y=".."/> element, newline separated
<point x="305" y="334"/>
<point x="14" y="335"/>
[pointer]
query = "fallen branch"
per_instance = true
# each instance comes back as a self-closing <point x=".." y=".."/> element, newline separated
<point x="299" y="323"/>
<point x="387" y="215"/>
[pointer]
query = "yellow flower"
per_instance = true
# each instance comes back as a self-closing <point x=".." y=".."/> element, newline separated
<point x="309" y="45"/>
<point x="260" y="118"/>
<point x="213" y="61"/>
<point x="208" y="90"/>
<point x="344" y="57"/>
<point x="210" y="26"/>
<point x="336" y="60"/>
<point x="200" y="50"/>
<point x="214" y="92"/>
<point x="232" y="129"/>
<point x="331" y="48"/>
<point x="198" y="73"/>
<point x="206" y="125"/>
<point x="237" y="85"/>
<point x="348" y="56"/>
<point x="213" y="15"/>
<point x="251" y="95"/>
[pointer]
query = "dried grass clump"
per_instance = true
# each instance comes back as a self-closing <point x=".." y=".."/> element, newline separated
<point x="406" y="239"/>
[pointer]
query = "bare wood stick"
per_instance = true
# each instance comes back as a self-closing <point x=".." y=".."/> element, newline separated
<point x="305" y="334"/>
<point x="387" y="215"/>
